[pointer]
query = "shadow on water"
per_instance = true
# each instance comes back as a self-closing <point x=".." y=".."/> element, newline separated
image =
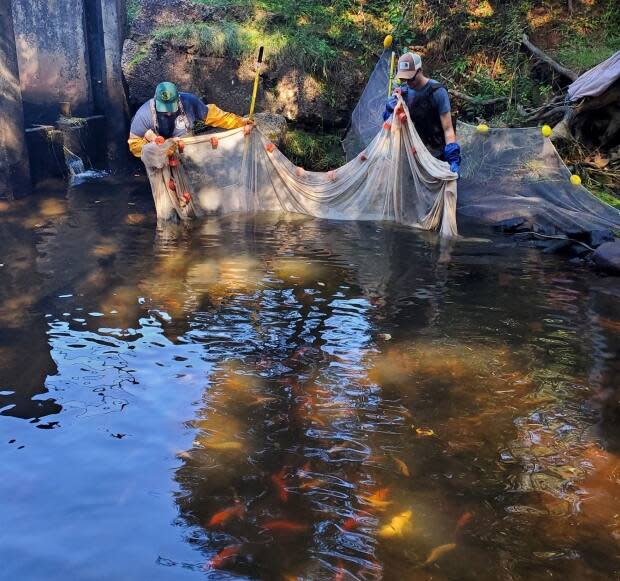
<point x="270" y="398"/>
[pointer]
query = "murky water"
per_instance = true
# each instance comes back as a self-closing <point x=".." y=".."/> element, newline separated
<point x="263" y="398"/>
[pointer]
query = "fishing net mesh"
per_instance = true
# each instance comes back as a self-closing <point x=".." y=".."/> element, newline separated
<point x="506" y="174"/>
<point x="241" y="171"/>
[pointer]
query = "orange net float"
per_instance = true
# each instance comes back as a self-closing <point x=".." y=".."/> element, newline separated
<point x="172" y="162"/>
<point x="413" y="150"/>
<point x="387" y="125"/>
<point x="299" y="171"/>
<point x="331" y="175"/>
<point x="399" y="109"/>
<point x="247" y="129"/>
<point x="214" y="142"/>
<point x="363" y="156"/>
<point x="187" y="197"/>
<point x="270" y="147"/>
<point x="402" y="117"/>
<point x="160" y="140"/>
<point x="172" y="185"/>
<point x="181" y="145"/>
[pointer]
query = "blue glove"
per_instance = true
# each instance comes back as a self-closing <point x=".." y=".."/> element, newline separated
<point x="452" y="154"/>
<point x="390" y="105"/>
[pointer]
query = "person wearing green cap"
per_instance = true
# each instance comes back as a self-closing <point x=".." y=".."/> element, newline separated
<point x="173" y="114"/>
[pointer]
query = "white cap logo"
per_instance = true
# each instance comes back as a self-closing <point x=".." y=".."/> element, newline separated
<point x="404" y="65"/>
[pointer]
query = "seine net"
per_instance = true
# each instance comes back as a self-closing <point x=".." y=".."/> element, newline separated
<point x="506" y="174"/>
<point x="394" y="178"/>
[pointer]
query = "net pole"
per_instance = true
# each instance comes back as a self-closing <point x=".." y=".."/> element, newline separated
<point x="391" y="75"/>
<point x="256" y="79"/>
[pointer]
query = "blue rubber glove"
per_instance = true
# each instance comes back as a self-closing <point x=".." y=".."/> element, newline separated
<point x="390" y="105"/>
<point x="452" y="154"/>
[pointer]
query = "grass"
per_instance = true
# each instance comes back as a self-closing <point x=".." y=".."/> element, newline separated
<point x="589" y="39"/>
<point x="133" y="7"/>
<point x="240" y="41"/>
<point x="312" y="151"/>
<point x="314" y="36"/>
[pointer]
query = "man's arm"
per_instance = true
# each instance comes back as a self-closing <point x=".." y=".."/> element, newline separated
<point x="448" y="129"/>
<point x="140" y="132"/>
<point x="217" y="118"/>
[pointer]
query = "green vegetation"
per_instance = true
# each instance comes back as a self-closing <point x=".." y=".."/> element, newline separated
<point x="314" y="152"/>
<point x="313" y="36"/>
<point x="133" y="6"/>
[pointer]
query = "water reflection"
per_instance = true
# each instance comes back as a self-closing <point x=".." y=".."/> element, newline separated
<point x="291" y="399"/>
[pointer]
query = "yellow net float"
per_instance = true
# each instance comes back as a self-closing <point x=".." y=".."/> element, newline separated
<point x="575" y="180"/>
<point x="482" y="128"/>
<point x="546" y="131"/>
<point x="387" y="41"/>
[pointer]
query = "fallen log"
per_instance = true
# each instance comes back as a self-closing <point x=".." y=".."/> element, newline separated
<point x="543" y="56"/>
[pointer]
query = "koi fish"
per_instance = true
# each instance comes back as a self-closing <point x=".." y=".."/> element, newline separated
<point x="224" y="515"/>
<point x="339" y="576"/>
<point x="402" y="467"/>
<point x="424" y="432"/>
<point x="278" y="482"/>
<point x="220" y="559"/>
<point x="397" y="525"/>
<point x="316" y="419"/>
<point x="350" y="524"/>
<point x="465" y="518"/>
<point x="439" y="552"/>
<point x="285" y="526"/>
<point x="377" y="500"/>
<point x="223" y="445"/>
<point x="311" y="484"/>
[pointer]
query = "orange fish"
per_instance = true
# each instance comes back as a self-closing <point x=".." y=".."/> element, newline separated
<point x="285" y="526"/>
<point x="311" y="484"/>
<point x="278" y="482"/>
<point x="221" y="517"/>
<point x="378" y="499"/>
<point x="350" y="524"/>
<point x="220" y="559"/>
<point x="465" y="518"/>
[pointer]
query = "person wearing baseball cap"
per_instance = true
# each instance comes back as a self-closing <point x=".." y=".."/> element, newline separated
<point x="173" y="114"/>
<point x="429" y="107"/>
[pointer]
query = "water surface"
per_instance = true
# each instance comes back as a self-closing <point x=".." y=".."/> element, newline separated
<point x="270" y="398"/>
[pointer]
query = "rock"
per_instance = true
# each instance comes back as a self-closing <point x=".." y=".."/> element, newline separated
<point x="593" y="238"/>
<point x="607" y="257"/>
<point x="516" y="224"/>
<point x="598" y="237"/>
<point x="558" y="247"/>
<point x="272" y="126"/>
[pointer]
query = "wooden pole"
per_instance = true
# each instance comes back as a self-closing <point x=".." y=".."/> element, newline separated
<point x="256" y="79"/>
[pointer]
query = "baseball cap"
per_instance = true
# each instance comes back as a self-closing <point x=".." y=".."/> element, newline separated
<point x="166" y="98"/>
<point x="408" y="65"/>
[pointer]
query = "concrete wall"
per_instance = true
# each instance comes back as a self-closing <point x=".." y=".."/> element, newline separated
<point x="52" y="49"/>
<point x="14" y="170"/>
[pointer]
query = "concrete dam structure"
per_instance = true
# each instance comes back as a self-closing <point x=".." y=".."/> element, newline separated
<point x="61" y="89"/>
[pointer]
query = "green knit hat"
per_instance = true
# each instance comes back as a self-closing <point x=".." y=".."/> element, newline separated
<point x="166" y="98"/>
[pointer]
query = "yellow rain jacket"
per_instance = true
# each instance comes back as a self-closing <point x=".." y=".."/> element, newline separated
<point x="146" y="118"/>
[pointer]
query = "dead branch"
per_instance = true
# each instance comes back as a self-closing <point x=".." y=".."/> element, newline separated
<point x="545" y="114"/>
<point x="543" y="56"/>
<point x="476" y="100"/>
